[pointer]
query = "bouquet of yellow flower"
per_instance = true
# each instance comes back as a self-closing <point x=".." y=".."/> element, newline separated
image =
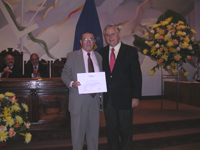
<point x="14" y="123"/>
<point x="170" y="42"/>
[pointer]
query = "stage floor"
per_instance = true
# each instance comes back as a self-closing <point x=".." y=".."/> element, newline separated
<point x="149" y="111"/>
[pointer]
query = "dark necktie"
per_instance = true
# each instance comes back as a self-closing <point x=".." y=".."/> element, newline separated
<point x="90" y="64"/>
<point x="112" y="59"/>
<point x="90" y="69"/>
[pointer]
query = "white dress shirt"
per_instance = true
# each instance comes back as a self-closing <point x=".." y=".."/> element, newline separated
<point x="94" y="60"/>
<point x="117" y="47"/>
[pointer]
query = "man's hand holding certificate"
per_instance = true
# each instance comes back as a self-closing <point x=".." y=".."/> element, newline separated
<point x="94" y="82"/>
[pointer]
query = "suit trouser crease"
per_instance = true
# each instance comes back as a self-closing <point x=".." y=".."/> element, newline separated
<point x="119" y="124"/>
<point x="86" y="122"/>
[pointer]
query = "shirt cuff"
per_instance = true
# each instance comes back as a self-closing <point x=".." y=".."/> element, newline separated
<point x="70" y="85"/>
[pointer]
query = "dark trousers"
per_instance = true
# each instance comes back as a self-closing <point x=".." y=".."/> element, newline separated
<point x="119" y="126"/>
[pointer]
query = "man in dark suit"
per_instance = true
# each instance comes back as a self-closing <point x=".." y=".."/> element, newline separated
<point x="84" y="108"/>
<point x="10" y="70"/>
<point x="124" y="82"/>
<point x="35" y="69"/>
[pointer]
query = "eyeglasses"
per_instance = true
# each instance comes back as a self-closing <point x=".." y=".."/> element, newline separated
<point x="91" y="39"/>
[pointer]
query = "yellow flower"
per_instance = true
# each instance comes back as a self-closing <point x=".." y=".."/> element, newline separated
<point x="9" y="94"/>
<point x="157" y="36"/>
<point x="153" y="48"/>
<point x="186" y="73"/>
<point x="173" y="64"/>
<point x="166" y="38"/>
<point x="166" y="51"/>
<point x="165" y="57"/>
<point x="146" y="34"/>
<point x="159" y="52"/>
<point x="156" y="25"/>
<point x="193" y="31"/>
<point x="25" y="107"/>
<point x="170" y="44"/>
<point x="9" y="121"/>
<point x="185" y="45"/>
<point x="145" y="51"/>
<point x="169" y="27"/>
<point x="7" y="112"/>
<point x="180" y="22"/>
<point x="151" y="72"/>
<point x="1" y="96"/>
<point x="174" y="70"/>
<point x="172" y="50"/>
<point x="19" y="119"/>
<point x="153" y="53"/>
<point x="179" y="33"/>
<point x="169" y="19"/>
<point x="186" y="40"/>
<point x="182" y="27"/>
<point x="3" y="136"/>
<point x="16" y="107"/>
<point x="163" y="23"/>
<point x="28" y="137"/>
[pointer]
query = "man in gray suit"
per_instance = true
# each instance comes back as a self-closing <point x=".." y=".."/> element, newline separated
<point x="84" y="108"/>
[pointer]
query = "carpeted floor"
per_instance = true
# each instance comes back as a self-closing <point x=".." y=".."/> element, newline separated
<point x="149" y="111"/>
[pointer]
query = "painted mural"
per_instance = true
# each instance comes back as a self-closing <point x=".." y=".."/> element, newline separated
<point x="54" y="21"/>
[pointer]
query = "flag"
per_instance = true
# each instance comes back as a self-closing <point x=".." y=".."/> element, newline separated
<point x="88" y="21"/>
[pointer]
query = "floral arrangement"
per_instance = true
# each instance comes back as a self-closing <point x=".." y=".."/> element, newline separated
<point x="14" y="123"/>
<point x="170" y="42"/>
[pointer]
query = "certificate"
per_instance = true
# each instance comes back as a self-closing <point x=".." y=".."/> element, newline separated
<point x="93" y="82"/>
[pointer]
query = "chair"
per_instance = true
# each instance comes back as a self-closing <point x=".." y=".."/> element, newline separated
<point x="44" y="62"/>
<point x="57" y="66"/>
<point x="16" y="54"/>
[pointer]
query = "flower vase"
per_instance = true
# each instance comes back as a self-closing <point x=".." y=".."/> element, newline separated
<point x="2" y="145"/>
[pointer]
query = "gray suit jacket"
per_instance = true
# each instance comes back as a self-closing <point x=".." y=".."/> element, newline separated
<point x="74" y="65"/>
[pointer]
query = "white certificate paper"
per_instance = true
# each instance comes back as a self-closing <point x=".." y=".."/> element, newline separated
<point x="94" y="82"/>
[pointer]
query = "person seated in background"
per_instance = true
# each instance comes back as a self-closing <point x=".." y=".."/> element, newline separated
<point x="35" y="69"/>
<point x="10" y="70"/>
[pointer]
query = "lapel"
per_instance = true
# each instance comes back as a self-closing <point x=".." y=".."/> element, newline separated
<point x="98" y="60"/>
<point x="80" y="62"/>
<point x="107" y="64"/>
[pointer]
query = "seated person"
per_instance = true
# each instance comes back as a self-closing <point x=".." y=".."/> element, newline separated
<point x="35" y="69"/>
<point x="10" y="70"/>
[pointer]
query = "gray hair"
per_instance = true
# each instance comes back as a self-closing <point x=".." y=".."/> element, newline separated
<point x="111" y="25"/>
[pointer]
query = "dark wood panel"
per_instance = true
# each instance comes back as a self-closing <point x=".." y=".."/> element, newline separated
<point x="188" y="92"/>
<point x="47" y="98"/>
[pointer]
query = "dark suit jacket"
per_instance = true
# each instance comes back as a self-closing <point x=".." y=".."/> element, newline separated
<point x="125" y="81"/>
<point x="42" y="69"/>
<point x="16" y="72"/>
